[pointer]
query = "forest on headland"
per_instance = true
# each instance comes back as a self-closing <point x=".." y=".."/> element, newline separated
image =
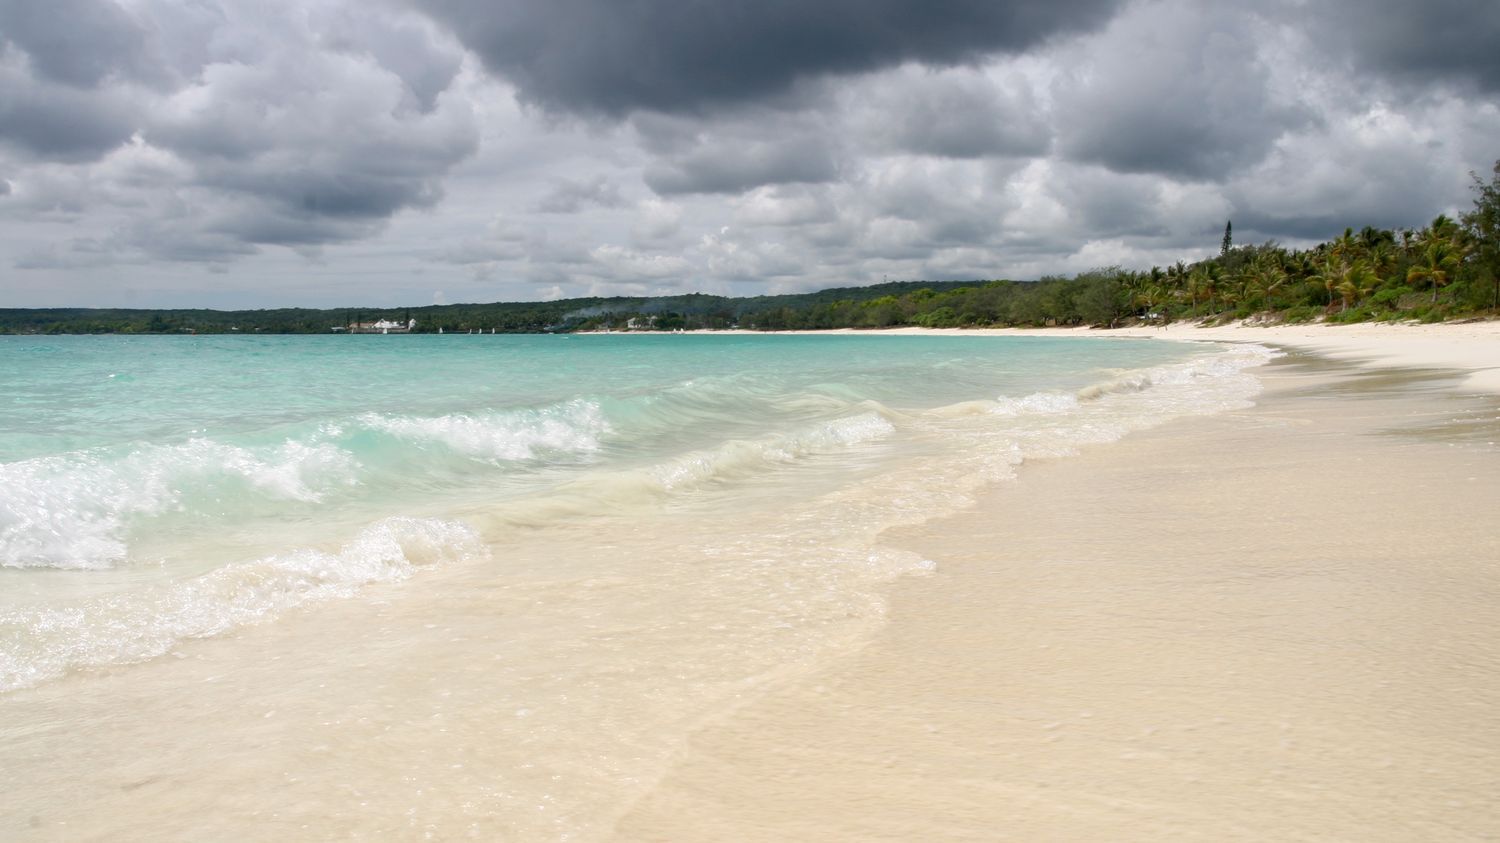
<point x="1447" y="269"/>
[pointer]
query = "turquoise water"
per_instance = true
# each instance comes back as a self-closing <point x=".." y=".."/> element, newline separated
<point x="176" y="487"/>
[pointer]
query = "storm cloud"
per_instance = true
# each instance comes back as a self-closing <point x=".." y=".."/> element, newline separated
<point x="302" y="129"/>
<point x="272" y="152"/>
<point x="1174" y="89"/>
<point x="79" y="43"/>
<point x="611" y="57"/>
<point x="1417" y="44"/>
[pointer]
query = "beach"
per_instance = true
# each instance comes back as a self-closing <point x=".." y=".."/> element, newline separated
<point x="1472" y="348"/>
<point x="590" y="421"/>
<point x="1278" y="623"/>
<point x="1272" y="614"/>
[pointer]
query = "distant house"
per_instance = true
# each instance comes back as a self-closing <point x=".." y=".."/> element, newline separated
<point x="382" y="326"/>
<point x="640" y="323"/>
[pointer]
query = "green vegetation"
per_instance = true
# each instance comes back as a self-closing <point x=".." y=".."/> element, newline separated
<point x="690" y="311"/>
<point x="1447" y="269"/>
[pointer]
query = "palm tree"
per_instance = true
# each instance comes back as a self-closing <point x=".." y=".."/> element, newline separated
<point x="1330" y="275"/>
<point x="1436" y="264"/>
<point x="1156" y="279"/>
<point x="1147" y="298"/>
<point x="1179" y="271"/>
<point x="1371" y="237"/>
<point x="1345" y="245"/>
<point x="1357" y="283"/>
<point x="1266" y="277"/>
<point x="1383" y="258"/>
<point x="1443" y="227"/>
<point x="1200" y="282"/>
<point x="1219" y="287"/>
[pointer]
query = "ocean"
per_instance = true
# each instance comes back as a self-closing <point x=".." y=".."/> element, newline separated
<point x="482" y="585"/>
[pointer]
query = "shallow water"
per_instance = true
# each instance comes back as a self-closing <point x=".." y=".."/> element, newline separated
<point x="487" y="583"/>
<point x="1281" y="623"/>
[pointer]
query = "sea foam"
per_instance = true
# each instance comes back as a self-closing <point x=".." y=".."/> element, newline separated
<point x="74" y="510"/>
<point x="43" y="642"/>
<point x="746" y="457"/>
<point x="569" y="428"/>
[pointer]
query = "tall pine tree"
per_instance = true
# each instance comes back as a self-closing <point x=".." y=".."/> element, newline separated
<point x="1228" y="238"/>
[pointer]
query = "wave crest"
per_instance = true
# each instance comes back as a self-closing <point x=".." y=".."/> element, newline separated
<point x="573" y="427"/>
<point x="72" y="510"/>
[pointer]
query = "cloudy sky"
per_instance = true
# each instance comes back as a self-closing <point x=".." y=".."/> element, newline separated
<point x="261" y="153"/>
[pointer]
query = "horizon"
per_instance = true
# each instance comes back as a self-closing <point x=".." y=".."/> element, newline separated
<point x="648" y="299"/>
<point x="158" y="156"/>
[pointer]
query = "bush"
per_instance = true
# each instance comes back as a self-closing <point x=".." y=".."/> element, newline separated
<point x="1353" y="314"/>
<point x="1391" y="297"/>
<point x="942" y="317"/>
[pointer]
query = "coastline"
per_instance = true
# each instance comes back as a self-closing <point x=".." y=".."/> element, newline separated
<point x="1470" y="347"/>
<point x="1274" y="623"/>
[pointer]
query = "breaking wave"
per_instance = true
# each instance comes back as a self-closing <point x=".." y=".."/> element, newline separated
<point x="73" y="510"/>
<point x="570" y="428"/>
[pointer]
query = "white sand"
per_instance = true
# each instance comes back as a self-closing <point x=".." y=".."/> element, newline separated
<point x="1278" y="624"/>
<point x="1472" y="347"/>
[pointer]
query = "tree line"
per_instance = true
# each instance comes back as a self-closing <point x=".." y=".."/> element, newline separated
<point x="1449" y="268"/>
<point x="1444" y="270"/>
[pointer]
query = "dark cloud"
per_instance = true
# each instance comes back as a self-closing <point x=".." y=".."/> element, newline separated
<point x="778" y="145"/>
<point x="58" y="122"/>
<point x="405" y="48"/>
<point x="77" y="42"/>
<point x="1318" y="186"/>
<point x="296" y="135"/>
<point x="1175" y="90"/>
<point x="302" y="197"/>
<point x="617" y="56"/>
<point x="735" y="153"/>
<point x="1111" y="205"/>
<point x="321" y="139"/>
<point x="740" y="166"/>
<point x="1316" y="226"/>
<point x="571" y="197"/>
<point x="953" y="114"/>
<point x="1452" y="41"/>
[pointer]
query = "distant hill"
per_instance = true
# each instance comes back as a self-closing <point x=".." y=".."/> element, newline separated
<point x="692" y="310"/>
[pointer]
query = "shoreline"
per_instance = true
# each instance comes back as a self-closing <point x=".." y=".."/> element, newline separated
<point x="1470" y="347"/>
<point x="1272" y="623"/>
<point x="920" y="724"/>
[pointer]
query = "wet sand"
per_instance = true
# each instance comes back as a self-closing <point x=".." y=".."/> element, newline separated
<point x="1470" y="348"/>
<point x="1280" y="623"/>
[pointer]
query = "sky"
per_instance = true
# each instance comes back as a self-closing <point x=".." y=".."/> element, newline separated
<point x="328" y="153"/>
